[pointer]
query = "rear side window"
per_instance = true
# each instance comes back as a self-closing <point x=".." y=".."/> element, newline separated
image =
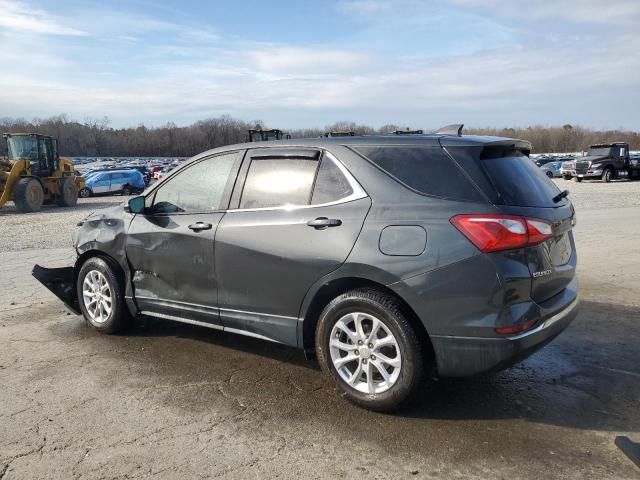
<point x="520" y="182"/>
<point x="426" y="170"/>
<point x="331" y="185"/>
<point x="278" y="182"/>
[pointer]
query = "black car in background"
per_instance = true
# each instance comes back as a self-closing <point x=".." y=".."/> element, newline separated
<point x="389" y="258"/>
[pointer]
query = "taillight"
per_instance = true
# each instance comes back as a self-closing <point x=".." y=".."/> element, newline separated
<point x="493" y="233"/>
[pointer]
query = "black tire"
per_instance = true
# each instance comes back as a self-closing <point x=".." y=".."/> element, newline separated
<point x="385" y="308"/>
<point x="126" y="190"/>
<point x="68" y="192"/>
<point x="549" y="174"/>
<point x="567" y="177"/>
<point x="577" y="179"/>
<point x="28" y="195"/>
<point x="118" y="316"/>
<point x="84" y="192"/>
<point x="607" y="175"/>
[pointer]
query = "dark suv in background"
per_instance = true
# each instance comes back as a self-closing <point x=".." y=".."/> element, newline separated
<point x="389" y="257"/>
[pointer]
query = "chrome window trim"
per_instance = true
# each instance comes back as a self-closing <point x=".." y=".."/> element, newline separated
<point x="357" y="194"/>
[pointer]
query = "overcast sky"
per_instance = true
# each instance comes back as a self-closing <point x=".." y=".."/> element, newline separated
<point x="416" y="63"/>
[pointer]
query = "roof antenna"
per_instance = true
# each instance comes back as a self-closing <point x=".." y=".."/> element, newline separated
<point x="453" y="129"/>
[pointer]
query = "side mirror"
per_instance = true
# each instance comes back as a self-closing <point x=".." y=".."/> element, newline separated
<point x="136" y="204"/>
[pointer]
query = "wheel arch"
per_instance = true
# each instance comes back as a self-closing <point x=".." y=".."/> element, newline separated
<point x="335" y="287"/>
<point x="82" y="258"/>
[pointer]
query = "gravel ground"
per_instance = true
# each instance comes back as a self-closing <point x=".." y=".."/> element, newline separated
<point x="597" y="195"/>
<point x="168" y="400"/>
<point x="48" y="228"/>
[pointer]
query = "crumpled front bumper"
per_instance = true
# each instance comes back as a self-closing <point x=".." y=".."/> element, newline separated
<point x="61" y="282"/>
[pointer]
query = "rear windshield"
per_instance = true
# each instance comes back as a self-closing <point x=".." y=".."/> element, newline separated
<point x="520" y="182"/>
<point x="425" y="170"/>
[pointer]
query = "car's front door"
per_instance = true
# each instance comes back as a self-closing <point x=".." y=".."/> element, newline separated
<point x="171" y="246"/>
<point x="297" y="215"/>
<point x="102" y="183"/>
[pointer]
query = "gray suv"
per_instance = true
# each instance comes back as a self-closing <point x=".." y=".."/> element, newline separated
<point x="389" y="258"/>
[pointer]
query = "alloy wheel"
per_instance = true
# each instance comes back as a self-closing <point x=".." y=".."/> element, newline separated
<point x="365" y="353"/>
<point x="96" y="295"/>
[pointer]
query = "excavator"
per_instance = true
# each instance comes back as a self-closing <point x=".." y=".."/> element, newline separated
<point x="35" y="174"/>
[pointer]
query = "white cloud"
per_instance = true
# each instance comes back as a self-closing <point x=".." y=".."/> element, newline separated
<point x="23" y="18"/>
<point x="579" y="11"/>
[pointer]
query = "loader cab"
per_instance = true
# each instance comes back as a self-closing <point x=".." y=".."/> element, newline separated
<point x="261" y="135"/>
<point x="41" y="151"/>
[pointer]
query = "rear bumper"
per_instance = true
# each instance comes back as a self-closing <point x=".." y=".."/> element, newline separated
<point x="60" y="281"/>
<point x="465" y="356"/>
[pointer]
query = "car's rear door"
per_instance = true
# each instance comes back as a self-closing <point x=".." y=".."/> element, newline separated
<point x="171" y="246"/>
<point x="118" y="180"/>
<point x="297" y="215"/>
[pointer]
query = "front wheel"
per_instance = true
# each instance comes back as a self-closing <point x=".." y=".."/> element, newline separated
<point x="68" y="192"/>
<point x="84" y="192"/>
<point x="101" y="296"/>
<point x="577" y="179"/>
<point x="549" y="174"/>
<point x="567" y="177"/>
<point x="126" y="190"/>
<point x="365" y="342"/>
<point x="607" y="175"/>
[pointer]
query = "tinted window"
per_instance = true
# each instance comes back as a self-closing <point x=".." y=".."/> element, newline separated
<point x="278" y="182"/>
<point x="519" y="182"/>
<point x="426" y="170"/>
<point x="331" y="184"/>
<point x="198" y="188"/>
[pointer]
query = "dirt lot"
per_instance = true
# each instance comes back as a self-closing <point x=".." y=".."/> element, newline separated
<point x="174" y="401"/>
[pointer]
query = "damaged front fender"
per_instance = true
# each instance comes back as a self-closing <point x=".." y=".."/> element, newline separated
<point x="60" y="281"/>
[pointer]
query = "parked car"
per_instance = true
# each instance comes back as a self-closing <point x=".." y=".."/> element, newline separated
<point x="382" y="255"/>
<point x="110" y="182"/>
<point x="552" y="169"/>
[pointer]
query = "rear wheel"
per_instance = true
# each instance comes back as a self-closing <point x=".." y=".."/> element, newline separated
<point x="126" y="190"/>
<point x="28" y="195"/>
<point x="68" y="192"/>
<point x="607" y="175"/>
<point x="101" y="296"/>
<point x="364" y="341"/>
<point x="577" y="179"/>
<point x="567" y="177"/>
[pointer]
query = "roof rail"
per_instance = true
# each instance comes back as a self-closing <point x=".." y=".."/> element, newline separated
<point x="453" y="129"/>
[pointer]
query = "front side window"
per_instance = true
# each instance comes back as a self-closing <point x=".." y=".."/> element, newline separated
<point x="278" y="182"/>
<point x="198" y="188"/>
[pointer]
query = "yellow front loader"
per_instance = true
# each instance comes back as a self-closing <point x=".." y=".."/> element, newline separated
<point x="35" y="174"/>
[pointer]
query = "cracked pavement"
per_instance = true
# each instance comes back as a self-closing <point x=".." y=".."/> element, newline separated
<point x="168" y="400"/>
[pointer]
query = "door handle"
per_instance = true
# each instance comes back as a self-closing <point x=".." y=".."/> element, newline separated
<point x="199" y="226"/>
<point x="321" y="223"/>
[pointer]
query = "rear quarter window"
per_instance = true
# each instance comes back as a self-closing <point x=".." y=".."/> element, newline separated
<point x="425" y="170"/>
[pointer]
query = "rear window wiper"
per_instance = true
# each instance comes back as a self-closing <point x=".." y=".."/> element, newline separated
<point x="560" y="196"/>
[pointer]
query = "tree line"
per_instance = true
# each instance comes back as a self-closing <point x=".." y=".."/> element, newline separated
<point x="95" y="136"/>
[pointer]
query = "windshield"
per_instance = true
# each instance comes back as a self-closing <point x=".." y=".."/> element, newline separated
<point x="599" y="151"/>
<point x="23" y="147"/>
